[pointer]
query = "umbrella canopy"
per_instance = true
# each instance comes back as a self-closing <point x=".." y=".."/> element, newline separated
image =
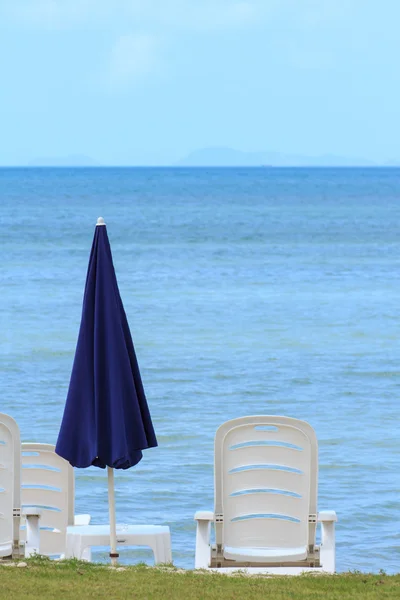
<point x="106" y="419"/>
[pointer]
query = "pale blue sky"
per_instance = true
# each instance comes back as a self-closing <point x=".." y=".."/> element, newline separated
<point x="146" y="82"/>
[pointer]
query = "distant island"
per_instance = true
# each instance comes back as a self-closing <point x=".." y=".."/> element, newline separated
<point x="228" y="157"/>
<point x="220" y="156"/>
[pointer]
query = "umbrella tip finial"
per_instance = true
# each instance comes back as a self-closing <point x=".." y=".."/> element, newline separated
<point x="100" y="221"/>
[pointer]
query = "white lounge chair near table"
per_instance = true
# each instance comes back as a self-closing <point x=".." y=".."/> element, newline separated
<point x="10" y="496"/>
<point x="265" y="505"/>
<point x="48" y="482"/>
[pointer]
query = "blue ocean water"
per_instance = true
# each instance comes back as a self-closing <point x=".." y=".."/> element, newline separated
<point x="248" y="291"/>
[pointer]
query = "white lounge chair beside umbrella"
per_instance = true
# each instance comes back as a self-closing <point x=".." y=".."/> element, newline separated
<point x="265" y="509"/>
<point x="10" y="496"/>
<point x="48" y="482"/>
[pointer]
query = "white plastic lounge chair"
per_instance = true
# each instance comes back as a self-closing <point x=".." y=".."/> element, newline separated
<point x="10" y="493"/>
<point x="265" y="511"/>
<point x="47" y="482"/>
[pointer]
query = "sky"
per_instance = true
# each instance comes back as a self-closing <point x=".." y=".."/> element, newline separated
<point x="129" y="82"/>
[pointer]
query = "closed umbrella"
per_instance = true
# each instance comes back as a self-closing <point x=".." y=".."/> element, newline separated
<point x="106" y="420"/>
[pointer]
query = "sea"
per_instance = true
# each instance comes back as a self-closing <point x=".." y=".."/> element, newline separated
<point x="249" y="291"/>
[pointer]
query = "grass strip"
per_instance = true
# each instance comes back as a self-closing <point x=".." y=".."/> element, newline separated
<point x="44" y="579"/>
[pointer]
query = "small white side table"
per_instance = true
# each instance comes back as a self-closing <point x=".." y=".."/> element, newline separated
<point x="82" y="537"/>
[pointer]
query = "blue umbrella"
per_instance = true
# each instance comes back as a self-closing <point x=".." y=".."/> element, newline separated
<point x="106" y="420"/>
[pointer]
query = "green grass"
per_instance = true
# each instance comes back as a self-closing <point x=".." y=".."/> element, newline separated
<point x="44" y="580"/>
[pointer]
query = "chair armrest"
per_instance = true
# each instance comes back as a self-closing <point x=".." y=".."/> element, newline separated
<point x="204" y="515"/>
<point x="327" y="516"/>
<point x="82" y="519"/>
<point x="31" y="511"/>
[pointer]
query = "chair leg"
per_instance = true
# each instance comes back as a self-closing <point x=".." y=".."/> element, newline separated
<point x="32" y="535"/>
<point x="202" y="556"/>
<point x="328" y="543"/>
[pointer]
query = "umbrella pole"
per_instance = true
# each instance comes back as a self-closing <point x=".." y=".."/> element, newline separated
<point x="113" y="527"/>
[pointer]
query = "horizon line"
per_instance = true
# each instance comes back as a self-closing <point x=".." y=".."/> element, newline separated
<point x="177" y="166"/>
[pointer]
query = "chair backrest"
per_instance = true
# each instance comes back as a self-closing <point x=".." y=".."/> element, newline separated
<point x="47" y="481"/>
<point x="266" y="478"/>
<point x="10" y="473"/>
